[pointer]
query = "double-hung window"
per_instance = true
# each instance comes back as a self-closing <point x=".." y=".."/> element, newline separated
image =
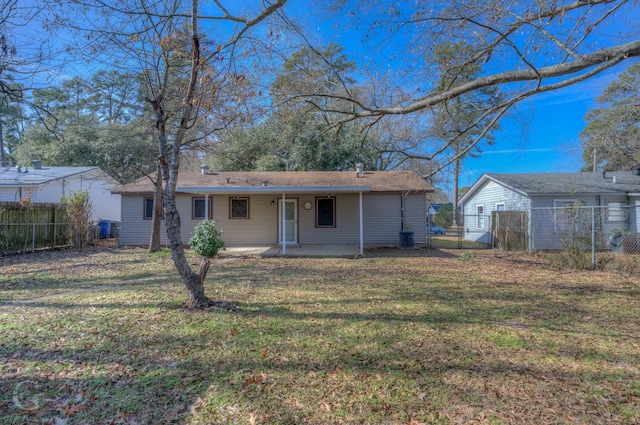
<point x="616" y="212"/>
<point x="480" y="216"/>
<point x="239" y="208"/>
<point x="198" y="208"/>
<point x="325" y="212"/>
<point x="148" y="209"/>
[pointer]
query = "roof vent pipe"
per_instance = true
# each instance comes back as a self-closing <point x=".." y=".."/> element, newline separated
<point x="359" y="170"/>
<point x="37" y="164"/>
<point x="635" y="170"/>
<point x="18" y="169"/>
<point x="614" y="179"/>
<point x="204" y="168"/>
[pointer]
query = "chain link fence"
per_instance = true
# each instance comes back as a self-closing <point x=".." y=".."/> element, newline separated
<point x="585" y="228"/>
<point x="571" y="227"/>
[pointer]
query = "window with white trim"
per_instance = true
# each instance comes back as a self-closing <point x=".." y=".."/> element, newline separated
<point x="480" y="216"/>
<point x="616" y="212"/>
<point x="198" y="208"/>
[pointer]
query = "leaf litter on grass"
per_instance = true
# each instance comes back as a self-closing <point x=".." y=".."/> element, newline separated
<point x="394" y="337"/>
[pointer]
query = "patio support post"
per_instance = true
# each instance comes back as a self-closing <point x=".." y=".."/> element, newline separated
<point x="282" y="227"/>
<point x="361" y="228"/>
<point x="206" y="206"/>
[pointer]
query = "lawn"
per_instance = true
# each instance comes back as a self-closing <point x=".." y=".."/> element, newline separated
<point x="392" y="337"/>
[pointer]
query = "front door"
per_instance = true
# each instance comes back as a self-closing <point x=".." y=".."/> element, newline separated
<point x="290" y="221"/>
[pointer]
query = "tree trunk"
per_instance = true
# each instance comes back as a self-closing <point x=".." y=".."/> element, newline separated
<point x="204" y="268"/>
<point x="3" y="161"/>
<point x="154" y="241"/>
<point x="456" y="179"/>
<point x="195" y="290"/>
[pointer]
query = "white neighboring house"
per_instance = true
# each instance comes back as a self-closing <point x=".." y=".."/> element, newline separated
<point x="543" y="193"/>
<point x="49" y="184"/>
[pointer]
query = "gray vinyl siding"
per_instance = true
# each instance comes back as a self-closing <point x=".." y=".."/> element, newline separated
<point x="134" y="229"/>
<point x="545" y="235"/>
<point x="257" y="230"/>
<point x="347" y="222"/>
<point x="381" y="220"/>
<point x="415" y="217"/>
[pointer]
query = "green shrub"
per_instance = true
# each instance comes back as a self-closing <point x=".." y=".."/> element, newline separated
<point x="206" y="239"/>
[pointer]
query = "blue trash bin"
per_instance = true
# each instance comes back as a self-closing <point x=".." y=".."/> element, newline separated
<point x="105" y="228"/>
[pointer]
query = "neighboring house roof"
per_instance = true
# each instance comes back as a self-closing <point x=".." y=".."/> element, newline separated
<point x="549" y="184"/>
<point x="9" y="176"/>
<point x="287" y="181"/>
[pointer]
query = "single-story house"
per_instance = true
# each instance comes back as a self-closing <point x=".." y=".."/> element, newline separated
<point x="433" y="209"/>
<point x="546" y="198"/>
<point x="49" y="184"/>
<point x="321" y="207"/>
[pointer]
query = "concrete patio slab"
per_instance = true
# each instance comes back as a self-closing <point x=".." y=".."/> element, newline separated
<point x="325" y="250"/>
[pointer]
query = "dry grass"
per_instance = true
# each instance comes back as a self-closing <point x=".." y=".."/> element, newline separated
<point x="394" y="337"/>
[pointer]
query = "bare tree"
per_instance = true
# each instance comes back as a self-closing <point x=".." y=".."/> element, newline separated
<point x="21" y="59"/>
<point x="184" y="72"/>
<point x="524" y="48"/>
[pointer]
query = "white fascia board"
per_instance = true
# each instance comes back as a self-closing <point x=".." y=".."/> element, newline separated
<point x="270" y="190"/>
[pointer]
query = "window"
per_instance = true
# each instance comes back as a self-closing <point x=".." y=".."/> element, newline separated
<point x="148" y="209"/>
<point x="325" y="212"/>
<point x="500" y="207"/>
<point x="239" y="208"/>
<point x="480" y="216"/>
<point x="616" y="212"/>
<point x="198" y="208"/>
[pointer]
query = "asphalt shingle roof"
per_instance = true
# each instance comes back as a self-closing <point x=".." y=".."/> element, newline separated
<point x="379" y="181"/>
<point x="565" y="183"/>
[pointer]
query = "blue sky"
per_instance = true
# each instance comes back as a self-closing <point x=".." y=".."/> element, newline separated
<point x="542" y="138"/>
<point x="548" y="139"/>
<point x="544" y="134"/>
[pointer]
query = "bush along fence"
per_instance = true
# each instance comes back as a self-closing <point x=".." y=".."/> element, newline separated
<point x="25" y="227"/>
<point x="574" y="228"/>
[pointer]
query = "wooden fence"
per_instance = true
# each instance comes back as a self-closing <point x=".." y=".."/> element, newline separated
<point x="27" y="227"/>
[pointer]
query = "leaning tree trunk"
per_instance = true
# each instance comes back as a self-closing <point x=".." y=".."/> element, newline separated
<point x="192" y="282"/>
<point x="195" y="287"/>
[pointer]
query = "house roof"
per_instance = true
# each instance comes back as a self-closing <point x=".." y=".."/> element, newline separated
<point x="288" y="181"/>
<point x="541" y="184"/>
<point x="9" y="176"/>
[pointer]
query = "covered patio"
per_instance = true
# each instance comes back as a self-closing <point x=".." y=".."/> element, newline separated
<point x="317" y="250"/>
